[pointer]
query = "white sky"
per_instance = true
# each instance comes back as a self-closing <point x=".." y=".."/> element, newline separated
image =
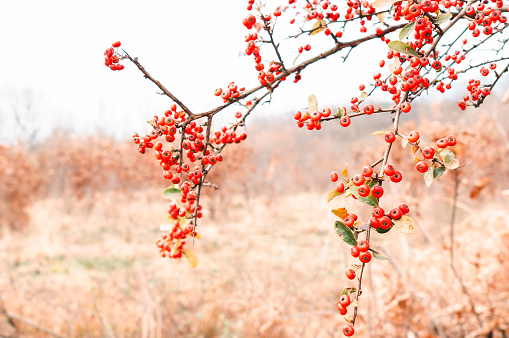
<point x="54" y="51"/>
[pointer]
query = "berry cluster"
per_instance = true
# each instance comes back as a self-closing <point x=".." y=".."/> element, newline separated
<point x="112" y="58"/>
<point x="232" y="91"/>
<point x="312" y="120"/>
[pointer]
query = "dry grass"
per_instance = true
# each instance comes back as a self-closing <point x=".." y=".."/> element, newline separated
<point x="271" y="265"/>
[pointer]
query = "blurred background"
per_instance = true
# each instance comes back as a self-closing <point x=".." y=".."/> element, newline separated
<point x="80" y="208"/>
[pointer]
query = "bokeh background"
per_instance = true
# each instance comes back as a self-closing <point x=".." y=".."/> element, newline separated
<point x="80" y="208"/>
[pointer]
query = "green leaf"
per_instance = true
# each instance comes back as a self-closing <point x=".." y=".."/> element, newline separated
<point x="312" y="103"/>
<point x="370" y="199"/>
<point x="428" y="176"/>
<point x="438" y="172"/>
<point x="402" y="47"/>
<point x="442" y="18"/>
<point x="348" y="291"/>
<point x="379" y="256"/>
<point x="450" y="160"/>
<point x="406" y="31"/>
<point x="341" y="112"/>
<point x="383" y="231"/>
<point x="171" y="193"/>
<point x="345" y="233"/>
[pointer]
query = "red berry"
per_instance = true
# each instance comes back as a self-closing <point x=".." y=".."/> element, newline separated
<point x="334" y="176"/>
<point x="397" y="177"/>
<point x="365" y="256"/>
<point x="389" y="170"/>
<point x="116" y="44"/>
<point x="385" y="222"/>
<point x="342" y="309"/>
<point x="421" y="166"/>
<point x="405" y="107"/>
<point x="377" y="191"/>
<point x="344" y="300"/>
<point x="363" y="190"/>
<point x="350" y="273"/>
<point x="358" y="179"/>
<point x="345" y="121"/>
<point x="348" y="330"/>
<point x="404" y="208"/>
<point x="354" y="251"/>
<point x="413" y="136"/>
<point x="442" y="143"/>
<point x="367" y="171"/>
<point x="395" y="213"/>
<point x="378" y="212"/>
<point x="340" y="187"/>
<point x="369" y="109"/>
<point x="428" y="153"/>
<point x="451" y="140"/>
<point x="390" y="137"/>
<point x="374" y="222"/>
<point x="363" y="246"/>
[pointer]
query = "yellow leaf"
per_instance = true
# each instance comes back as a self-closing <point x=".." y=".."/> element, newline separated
<point x="414" y="149"/>
<point x="404" y="142"/>
<point x="197" y="235"/>
<point x="318" y="27"/>
<point x="340" y="212"/>
<point x="404" y="224"/>
<point x="175" y="247"/>
<point x="345" y="171"/>
<point x="381" y="17"/>
<point x="333" y="194"/>
<point x="379" y="132"/>
<point x="191" y="258"/>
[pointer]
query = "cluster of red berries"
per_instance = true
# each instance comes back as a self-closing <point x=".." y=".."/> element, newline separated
<point x="228" y="136"/>
<point x="274" y="68"/>
<point x="475" y="91"/>
<point x="384" y="221"/>
<point x="111" y="58"/>
<point x="429" y="153"/>
<point x="361" y="251"/>
<point x="232" y="91"/>
<point x="312" y="120"/>
<point x="485" y="17"/>
<point x="343" y="303"/>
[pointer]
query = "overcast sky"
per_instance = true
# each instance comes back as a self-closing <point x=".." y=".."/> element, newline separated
<point x="52" y="58"/>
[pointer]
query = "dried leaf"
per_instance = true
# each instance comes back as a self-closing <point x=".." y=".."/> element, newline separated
<point x="381" y="17"/>
<point x="340" y="212"/>
<point x="191" y="258"/>
<point x="333" y="194"/>
<point x="319" y="26"/>
<point x="428" y="176"/>
<point x="379" y="132"/>
<point x="404" y="142"/>
<point x="393" y="66"/>
<point x="345" y="171"/>
<point x="312" y="102"/>
<point x="404" y="224"/>
<point x="363" y="96"/>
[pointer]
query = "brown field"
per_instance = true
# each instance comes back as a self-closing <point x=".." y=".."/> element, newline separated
<point x="79" y="216"/>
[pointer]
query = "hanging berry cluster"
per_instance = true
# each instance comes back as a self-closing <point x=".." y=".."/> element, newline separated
<point x="111" y="57"/>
